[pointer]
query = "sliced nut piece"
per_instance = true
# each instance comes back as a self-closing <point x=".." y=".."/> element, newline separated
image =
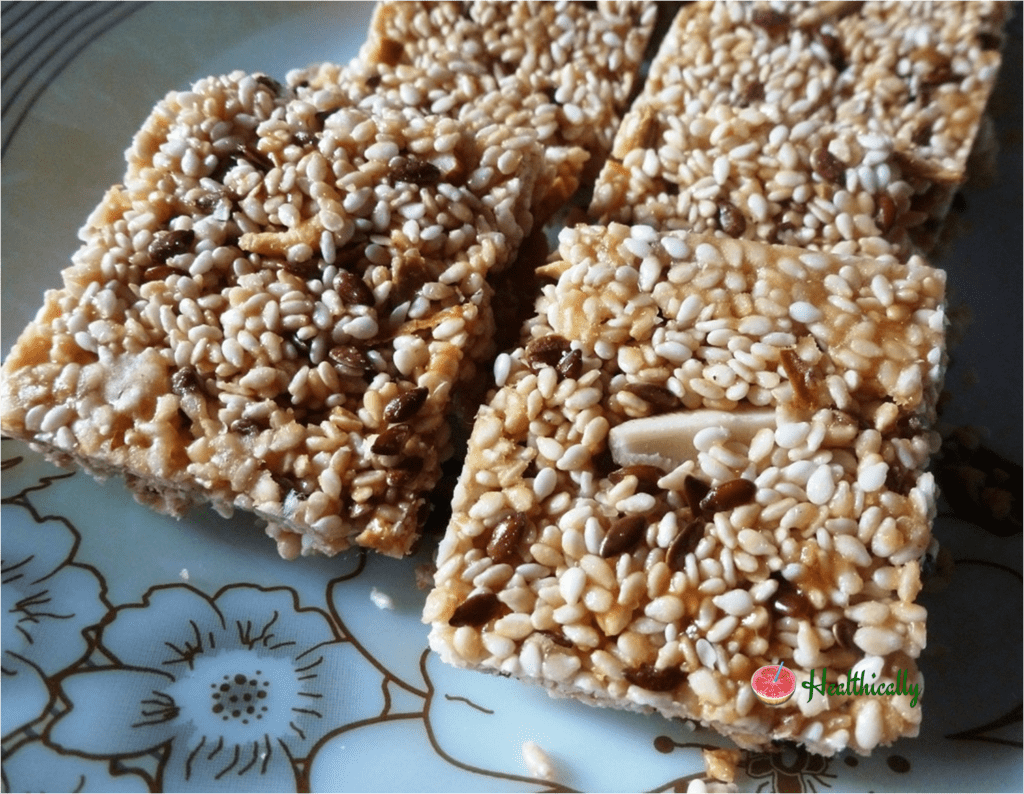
<point x="277" y="243"/>
<point x="666" y="440"/>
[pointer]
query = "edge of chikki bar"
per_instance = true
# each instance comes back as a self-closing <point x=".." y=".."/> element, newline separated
<point x="525" y="587"/>
<point x="238" y="328"/>
<point x="852" y="137"/>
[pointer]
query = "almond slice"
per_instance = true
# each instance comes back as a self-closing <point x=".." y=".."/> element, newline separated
<point x="667" y="440"/>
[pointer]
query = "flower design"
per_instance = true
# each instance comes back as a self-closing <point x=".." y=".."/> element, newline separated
<point x="234" y="690"/>
<point x="792" y="769"/>
<point x="36" y="767"/>
<point x="464" y="705"/>
<point x="48" y="600"/>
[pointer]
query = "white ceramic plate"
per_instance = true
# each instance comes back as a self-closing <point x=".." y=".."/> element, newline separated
<point x="142" y="653"/>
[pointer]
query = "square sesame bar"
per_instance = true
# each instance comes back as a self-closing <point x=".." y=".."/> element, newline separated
<point x="843" y="127"/>
<point x="706" y="456"/>
<point x="562" y="72"/>
<point x="272" y="311"/>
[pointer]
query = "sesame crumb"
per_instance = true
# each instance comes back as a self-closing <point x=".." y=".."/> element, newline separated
<point x="381" y="599"/>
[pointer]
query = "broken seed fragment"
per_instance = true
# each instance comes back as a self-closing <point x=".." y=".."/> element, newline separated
<point x="571" y="365"/>
<point x="168" y="244"/>
<point x="546" y="351"/>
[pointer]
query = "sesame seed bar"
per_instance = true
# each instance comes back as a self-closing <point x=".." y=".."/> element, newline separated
<point x="843" y="127"/>
<point x="562" y="72"/>
<point x="706" y="456"/>
<point x="272" y="311"/>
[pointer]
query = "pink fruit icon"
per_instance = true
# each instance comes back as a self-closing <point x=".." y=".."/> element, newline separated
<point x="772" y="685"/>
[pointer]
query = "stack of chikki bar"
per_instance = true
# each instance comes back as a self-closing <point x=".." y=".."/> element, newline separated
<point x="708" y="452"/>
<point x="834" y="126"/>
<point x="272" y="312"/>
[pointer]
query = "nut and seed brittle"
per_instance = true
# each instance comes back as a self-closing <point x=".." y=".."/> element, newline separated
<point x="843" y="127"/>
<point x="558" y="72"/>
<point x="272" y="311"/>
<point x="651" y="548"/>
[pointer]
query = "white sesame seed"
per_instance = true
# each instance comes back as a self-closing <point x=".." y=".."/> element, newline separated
<point x="820" y="485"/>
<point x="872" y="478"/>
<point x="550" y="448"/>
<point x="515" y="626"/>
<point x="361" y="327"/>
<point x="735" y="602"/>
<point x="502" y="368"/>
<point x="804" y="312"/>
<point x="675" y="248"/>
<point x="667" y="609"/>
<point x="707" y="254"/>
<point x="576" y="457"/>
<point x="537" y="762"/>
<point x="638" y="248"/>
<point x="689" y="309"/>
<point x="382" y="150"/>
<point x="722" y="629"/>
<point x="877" y="641"/>
<point x="571" y="585"/>
<point x="706" y="653"/>
<point x="791" y="435"/>
<point x="705" y="438"/>
<point x="544" y="483"/>
<point x="721" y="169"/>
